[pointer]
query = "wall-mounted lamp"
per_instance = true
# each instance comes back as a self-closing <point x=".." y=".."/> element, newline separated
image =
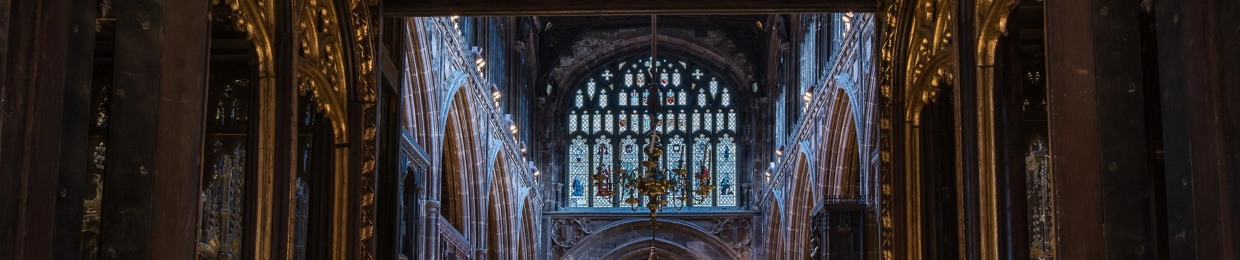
<point x="522" y="147"/>
<point x="512" y="126"/>
<point x="495" y="94"/>
<point x="530" y="166"/>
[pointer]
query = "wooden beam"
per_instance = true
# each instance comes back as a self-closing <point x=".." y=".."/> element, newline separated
<point x="35" y="37"/>
<point x="126" y="215"/>
<point x="1127" y="191"/>
<point x="178" y="140"/>
<point x="75" y="134"/>
<point x="1198" y="55"/>
<point x="1073" y="119"/>
<point x="617" y="7"/>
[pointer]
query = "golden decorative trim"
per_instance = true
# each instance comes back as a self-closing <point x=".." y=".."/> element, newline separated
<point x="992" y="16"/>
<point x="257" y="19"/>
<point x="363" y="50"/>
<point x="889" y="29"/>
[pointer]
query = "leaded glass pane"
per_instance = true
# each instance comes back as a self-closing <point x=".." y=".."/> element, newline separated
<point x="646" y="123"/>
<point x="680" y="120"/>
<point x="603" y="158"/>
<point x="701" y="161"/>
<point x="602" y="99"/>
<point x="633" y="98"/>
<point x="590" y="88"/>
<point x="732" y="120"/>
<point x="688" y="136"/>
<point x="608" y="126"/>
<point x="675" y="154"/>
<point x="707" y="122"/>
<point x="676" y="78"/>
<point x="578" y="166"/>
<point x="622" y="124"/>
<point x="629" y="158"/>
<point x="579" y="101"/>
<point x="697" y="121"/>
<point x="572" y="121"/>
<point x="725" y="166"/>
<point x="595" y="121"/>
<point x="714" y="87"/>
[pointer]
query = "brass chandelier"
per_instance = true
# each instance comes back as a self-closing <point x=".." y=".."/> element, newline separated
<point x="660" y="185"/>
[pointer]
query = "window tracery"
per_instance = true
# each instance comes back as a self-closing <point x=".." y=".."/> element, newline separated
<point x="609" y="118"/>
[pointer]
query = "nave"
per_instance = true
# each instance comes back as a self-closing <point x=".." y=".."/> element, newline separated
<point x="766" y="129"/>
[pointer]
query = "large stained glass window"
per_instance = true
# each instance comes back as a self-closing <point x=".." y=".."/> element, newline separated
<point x="608" y="123"/>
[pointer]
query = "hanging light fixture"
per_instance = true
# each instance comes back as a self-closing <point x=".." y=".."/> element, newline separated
<point x="660" y="185"/>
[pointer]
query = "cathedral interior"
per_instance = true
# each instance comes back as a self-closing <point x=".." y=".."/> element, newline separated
<point x="638" y="129"/>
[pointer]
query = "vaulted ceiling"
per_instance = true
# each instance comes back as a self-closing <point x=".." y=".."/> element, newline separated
<point x="736" y="46"/>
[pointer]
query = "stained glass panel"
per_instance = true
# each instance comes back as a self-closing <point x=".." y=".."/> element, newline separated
<point x="689" y="135"/>
<point x="603" y="158"/>
<point x="578" y="166"/>
<point x="700" y="163"/>
<point x="629" y="158"/>
<point x="633" y="98"/>
<point x="725" y="166"/>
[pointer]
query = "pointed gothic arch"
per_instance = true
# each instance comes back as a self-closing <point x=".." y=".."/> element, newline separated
<point x="458" y="162"/>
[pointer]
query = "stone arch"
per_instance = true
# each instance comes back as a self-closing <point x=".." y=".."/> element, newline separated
<point x="839" y="150"/>
<point x="459" y="158"/>
<point x="495" y="217"/>
<point x="583" y="62"/>
<point x="774" y="221"/>
<point x="501" y="229"/>
<point x="796" y="222"/>
<point x="641" y="249"/>
<point x="636" y="233"/>
<point x="528" y="237"/>
<point x="566" y="75"/>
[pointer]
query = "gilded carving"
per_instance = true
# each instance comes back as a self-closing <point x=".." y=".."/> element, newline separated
<point x="220" y="224"/>
<point x="1040" y="195"/>
<point x="889" y="28"/>
<point x="992" y="17"/>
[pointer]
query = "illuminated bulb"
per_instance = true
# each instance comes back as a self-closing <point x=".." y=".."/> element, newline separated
<point x="779" y="152"/>
<point x="495" y="94"/>
<point x="513" y="128"/>
<point x="536" y="173"/>
<point x="808" y="96"/>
